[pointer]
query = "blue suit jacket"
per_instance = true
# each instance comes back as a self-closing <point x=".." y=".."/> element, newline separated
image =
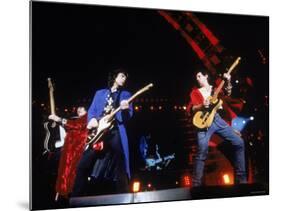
<point x="96" y="111"/>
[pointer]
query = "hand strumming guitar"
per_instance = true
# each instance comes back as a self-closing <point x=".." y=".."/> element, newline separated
<point x="206" y="103"/>
<point x="93" y="123"/>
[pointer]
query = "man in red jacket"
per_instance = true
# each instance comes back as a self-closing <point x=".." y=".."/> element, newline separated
<point x="74" y="145"/>
<point x="199" y="101"/>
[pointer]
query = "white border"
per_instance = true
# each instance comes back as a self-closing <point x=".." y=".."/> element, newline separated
<point x="14" y="86"/>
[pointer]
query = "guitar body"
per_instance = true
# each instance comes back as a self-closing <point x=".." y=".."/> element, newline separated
<point x="204" y="119"/>
<point x="52" y="136"/>
<point x="52" y="128"/>
<point x="150" y="162"/>
<point x="104" y="126"/>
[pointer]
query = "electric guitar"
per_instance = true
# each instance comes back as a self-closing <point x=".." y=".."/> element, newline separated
<point x="204" y="119"/>
<point x="150" y="162"/>
<point x="52" y="137"/>
<point x="106" y="122"/>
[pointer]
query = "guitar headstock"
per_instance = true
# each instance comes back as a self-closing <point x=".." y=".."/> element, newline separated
<point x="50" y="85"/>
<point x="147" y="87"/>
<point x="235" y="63"/>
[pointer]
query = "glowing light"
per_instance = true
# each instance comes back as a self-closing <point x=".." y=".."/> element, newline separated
<point x="184" y="107"/>
<point x="42" y="105"/>
<point x="239" y="123"/>
<point x="149" y="185"/>
<point x="160" y="107"/>
<point x="151" y="108"/>
<point x="252" y="118"/>
<point x="136" y="108"/>
<point x="186" y="181"/>
<point x="66" y="110"/>
<point x="226" y="179"/>
<point x="175" y="107"/>
<point x="136" y="186"/>
<point x="177" y="182"/>
<point x="237" y="81"/>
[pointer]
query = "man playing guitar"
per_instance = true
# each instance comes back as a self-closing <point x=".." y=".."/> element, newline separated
<point x="111" y="164"/>
<point x="199" y="101"/>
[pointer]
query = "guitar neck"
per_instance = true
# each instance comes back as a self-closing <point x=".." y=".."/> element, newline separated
<point x="51" y="95"/>
<point x="52" y="102"/>
<point x="217" y="91"/>
<point x="112" y="114"/>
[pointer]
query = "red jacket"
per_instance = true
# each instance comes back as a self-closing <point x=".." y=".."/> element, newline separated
<point x="74" y="145"/>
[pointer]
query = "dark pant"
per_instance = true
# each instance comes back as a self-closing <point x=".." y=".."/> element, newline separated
<point x="110" y="165"/>
<point x="220" y="127"/>
<point x="84" y="169"/>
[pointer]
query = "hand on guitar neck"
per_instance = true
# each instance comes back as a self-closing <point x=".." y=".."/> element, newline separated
<point x="54" y="118"/>
<point x="227" y="76"/>
<point x="124" y="104"/>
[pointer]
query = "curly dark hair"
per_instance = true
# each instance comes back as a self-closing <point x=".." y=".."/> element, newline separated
<point x="113" y="74"/>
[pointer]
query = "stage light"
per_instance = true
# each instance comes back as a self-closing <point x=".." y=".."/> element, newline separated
<point x="252" y="118"/>
<point x="136" y="108"/>
<point x="237" y="81"/>
<point x="151" y="108"/>
<point x="226" y="179"/>
<point x="149" y="185"/>
<point x="160" y="107"/>
<point x="239" y="123"/>
<point x="136" y="186"/>
<point x="184" y="107"/>
<point x="186" y="181"/>
<point x="175" y="107"/>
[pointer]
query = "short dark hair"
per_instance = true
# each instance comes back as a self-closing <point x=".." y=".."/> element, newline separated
<point x="81" y="106"/>
<point x="205" y="72"/>
<point x="114" y="73"/>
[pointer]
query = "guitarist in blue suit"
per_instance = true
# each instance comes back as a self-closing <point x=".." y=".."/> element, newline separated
<point x="112" y="162"/>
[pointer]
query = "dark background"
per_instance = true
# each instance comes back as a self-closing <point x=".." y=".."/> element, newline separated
<point x="77" y="45"/>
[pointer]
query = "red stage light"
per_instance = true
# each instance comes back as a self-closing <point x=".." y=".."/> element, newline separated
<point x="186" y="181"/>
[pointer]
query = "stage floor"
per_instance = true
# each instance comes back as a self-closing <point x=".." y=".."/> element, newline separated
<point x="171" y="195"/>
